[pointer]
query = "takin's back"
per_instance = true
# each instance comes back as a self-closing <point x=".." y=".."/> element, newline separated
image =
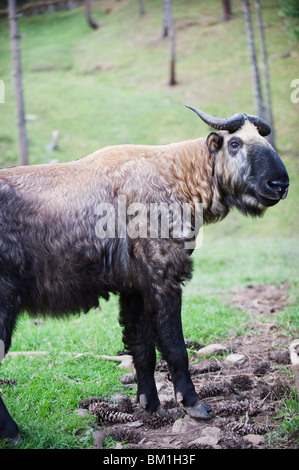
<point x="48" y="219"/>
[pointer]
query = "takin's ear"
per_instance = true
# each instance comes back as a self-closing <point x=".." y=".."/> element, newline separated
<point x="214" y="142"/>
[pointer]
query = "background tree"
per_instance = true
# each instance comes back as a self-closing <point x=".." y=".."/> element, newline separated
<point x="266" y="72"/>
<point x="259" y="102"/>
<point x="17" y="71"/>
<point x="226" y="10"/>
<point x="90" y="21"/>
<point x="165" y="25"/>
<point x="168" y="24"/>
<point x="141" y="8"/>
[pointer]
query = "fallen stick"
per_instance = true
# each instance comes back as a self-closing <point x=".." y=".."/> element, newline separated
<point x="126" y="361"/>
<point x="27" y="353"/>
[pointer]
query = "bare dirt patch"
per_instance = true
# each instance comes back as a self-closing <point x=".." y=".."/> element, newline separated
<point x="261" y="299"/>
<point x="244" y="395"/>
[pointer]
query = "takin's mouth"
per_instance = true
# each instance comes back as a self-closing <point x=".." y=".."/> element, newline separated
<point x="270" y="201"/>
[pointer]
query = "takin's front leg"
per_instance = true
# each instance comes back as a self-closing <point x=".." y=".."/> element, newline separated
<point x="170" y="341"/>
<point x="137" y="337"/>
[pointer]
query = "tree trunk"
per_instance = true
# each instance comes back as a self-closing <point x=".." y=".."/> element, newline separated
<point x="90" y="21"/>
<point x="226" y="10"/>
<point x="254" y="66"/>
<point x="165" y="21"/>
<point x="271" y="137"/>
<point x="171" y="37"/>
<point x="141" y="8"/>
<point x="17" y="70"/>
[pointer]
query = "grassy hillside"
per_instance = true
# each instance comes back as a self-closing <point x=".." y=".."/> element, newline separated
<point x="107" y="87"/>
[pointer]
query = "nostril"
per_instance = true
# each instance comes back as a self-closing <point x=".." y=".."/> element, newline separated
<point x="273" y="185"/>
<point x="277" y="185"/>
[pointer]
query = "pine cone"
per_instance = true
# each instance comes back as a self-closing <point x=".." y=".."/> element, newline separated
<point x="262" y="369"/>
<point x="125" y="434"/>
<point x="213" y="390"/>
<point x="107" y="413"/>
<point x="237" y="408"/>
<point x="8" y="381"/>
<point x="125" y="405"/>
<point x="88" y="401"/>
<point x="155" y="420"/>
<point x="243" y="429"/>
<point x="228" y="408"/>
<point x="275" y="392"/>
<point x="205" y="367"/>
<point x="241" y="382"/>
<point x="231" y="441"/>
<point x="197" y="446"/>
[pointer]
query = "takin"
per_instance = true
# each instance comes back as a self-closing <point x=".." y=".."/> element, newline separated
<point x="65" y="240"/>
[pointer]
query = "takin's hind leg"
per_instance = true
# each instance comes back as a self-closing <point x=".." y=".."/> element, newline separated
<point x="8" y="314"/>
<point x="137" y="337"/>
<point x="8" y="428"/>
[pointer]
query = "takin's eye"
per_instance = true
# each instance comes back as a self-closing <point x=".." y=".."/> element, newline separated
<point x="234" y="145"/>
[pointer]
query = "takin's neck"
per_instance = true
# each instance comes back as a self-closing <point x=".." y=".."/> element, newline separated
<point x="186" y="168"/>
<point x="193" y="167"/>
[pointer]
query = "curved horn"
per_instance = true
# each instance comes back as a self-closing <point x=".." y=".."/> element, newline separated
<point x="263" y="128"/>
<point x="231" y="124"/>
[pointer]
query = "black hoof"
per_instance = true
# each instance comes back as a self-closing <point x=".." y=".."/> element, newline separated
<point x="151" y="406"/>
<point x="161" y="412"/>
<point x="14" y="441"/>
<point x="198" y="411"/>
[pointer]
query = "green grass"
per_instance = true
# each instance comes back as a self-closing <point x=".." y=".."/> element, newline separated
<point x="49" y="388"/>
<point x="288" y="415"/>
<point x="107" y="87"/>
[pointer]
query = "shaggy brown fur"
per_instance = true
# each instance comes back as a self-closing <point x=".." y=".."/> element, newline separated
<point x="53" y="261"/>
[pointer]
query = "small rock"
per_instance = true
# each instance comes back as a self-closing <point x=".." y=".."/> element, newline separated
<point x="128" y="379"/>
<point x="212" y="349"/>
<point x="81" y="412"/>
<point x="255" y="439"/>
<point x="235" y="359"/>
<point x="149" y="444"/>
<point x="160" y="382"/>
<point x="117" y="397"/>
<point x="211" y="431"/>
<point x="118" y="446"/>
<point x="184" y="425"/>
<point x="99" y="437"/>
<point x="206" y="440"/>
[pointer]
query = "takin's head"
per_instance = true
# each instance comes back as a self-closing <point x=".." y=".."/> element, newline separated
<point x="248" y="170"/>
